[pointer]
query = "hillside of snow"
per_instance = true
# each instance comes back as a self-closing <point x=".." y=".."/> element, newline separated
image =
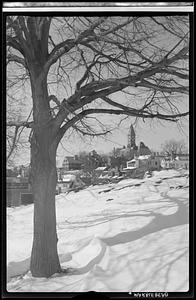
<point x="120" y="237"/>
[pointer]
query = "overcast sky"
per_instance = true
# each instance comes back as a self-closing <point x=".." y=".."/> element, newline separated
<point x="153" y="134"/>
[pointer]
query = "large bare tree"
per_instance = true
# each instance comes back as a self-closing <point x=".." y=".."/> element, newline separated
<point x="78" y="68"/>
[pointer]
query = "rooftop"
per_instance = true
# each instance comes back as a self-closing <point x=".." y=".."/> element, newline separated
<point x="71" y="159"/>
<point x="129" y="168"/>
<point x="101" y="168"/>
<point x="141" y="157"/>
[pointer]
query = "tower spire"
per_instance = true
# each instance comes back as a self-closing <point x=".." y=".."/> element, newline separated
<point x="131" y="137"/>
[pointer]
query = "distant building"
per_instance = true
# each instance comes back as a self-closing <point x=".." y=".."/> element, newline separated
<point x="11" y="173"/>
<point x="126" y="153"/>
<point x="143" y="149"/>
<point x="131" y="139"/>
<point x="18" y="191"/>
<point x="182" y="157"/>
<point x="69" y="182"/>
<point x="133" y="164"/>
<point x="175" y="161"/>
<point x="181" y="161"/>
<point x="154" y="162"/>
<point x="149" y="162"/>
<point x="139" y="162"/>
<point x="132" y="149"/>
<point x="71" y="163"/>
<point x="166" y="163"/>
<point x="100" y="171"/>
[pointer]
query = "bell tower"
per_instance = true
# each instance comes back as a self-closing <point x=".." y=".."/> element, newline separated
<point x="131" y="137"/>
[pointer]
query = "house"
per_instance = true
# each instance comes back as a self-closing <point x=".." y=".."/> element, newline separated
<point x="154" y="162"/>
<point x="133" y="164"/>
<point x="71" y="163"/>
<point x="11" y="173"/>
<point x="176" y="162"/>
<point x="130" y="170"/>
<point x="18" y="191"/>
<point x="166" y="163"/>
<point x="137" y="167"/>
<point x="181" y="161"/>
<point x="149" y="162"/>
<point x="140" y="161"/>
<point x="69" y="182"/>
<point x="143" y="161"/>
<point x="21" y="170"/>
<point x="60" y="172"/>
<point x="100" y="170"/>
<point x="182" y="157"/>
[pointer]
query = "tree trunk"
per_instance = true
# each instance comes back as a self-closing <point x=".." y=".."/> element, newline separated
<point x="44" y="256"/>
<point x="43" y="178"/>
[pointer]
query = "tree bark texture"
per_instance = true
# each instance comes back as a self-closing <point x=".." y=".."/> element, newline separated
<point x="44" y="256"/>
<point x="43" y="178"/>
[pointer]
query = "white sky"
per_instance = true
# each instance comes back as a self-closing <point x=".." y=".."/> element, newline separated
<point x="153" y="134"/>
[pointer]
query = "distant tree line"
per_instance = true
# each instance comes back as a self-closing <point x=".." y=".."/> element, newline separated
<point x="173" y="146"/>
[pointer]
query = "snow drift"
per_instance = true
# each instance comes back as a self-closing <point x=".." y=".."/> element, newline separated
<point x="129" y="236"/>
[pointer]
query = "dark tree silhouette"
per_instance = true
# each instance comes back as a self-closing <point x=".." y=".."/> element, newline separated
<point x="78" y="68"/>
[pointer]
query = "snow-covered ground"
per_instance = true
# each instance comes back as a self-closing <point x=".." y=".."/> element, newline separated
<point x="119" y="237"/>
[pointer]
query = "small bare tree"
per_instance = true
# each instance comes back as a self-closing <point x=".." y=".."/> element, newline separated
<point x="79" y="68"/>
<point x="173" y="146"/>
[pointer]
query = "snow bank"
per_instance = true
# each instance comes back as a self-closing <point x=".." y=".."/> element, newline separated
<point x="129" y="236"/>
<point x="69" y="178"/>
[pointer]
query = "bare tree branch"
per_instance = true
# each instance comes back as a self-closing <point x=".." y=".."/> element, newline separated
<point x="12" y="147"/>
<point x="17" y="59"/>
<point x="129" y="112"/>
<point x="115" y="56"/>
<point x="20" y="124"/>
<point x="11" y="41"/>
<point x="21" y="45"/>
<point x="183" y="90"/>
<point x="94" y="134"/>
<point x="67" y="45"/>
